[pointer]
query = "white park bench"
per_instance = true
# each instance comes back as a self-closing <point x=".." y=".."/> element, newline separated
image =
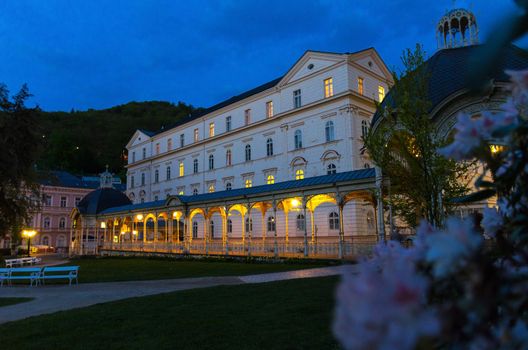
<point x="4" y="275"/>
<point x="22" y="261"/>
<point x="60" y="272"/>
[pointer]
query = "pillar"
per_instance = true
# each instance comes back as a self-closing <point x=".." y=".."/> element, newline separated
<point x="226" y="234"/>
<point x="305" y="228"/>
<point x="275" y="243"/>
<point x="250" y="228"/>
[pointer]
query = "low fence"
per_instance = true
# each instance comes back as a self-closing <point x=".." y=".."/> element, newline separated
<point x="297" y="249"/>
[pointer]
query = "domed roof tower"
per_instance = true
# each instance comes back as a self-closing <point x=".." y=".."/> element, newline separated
<point x="457" y="28"/>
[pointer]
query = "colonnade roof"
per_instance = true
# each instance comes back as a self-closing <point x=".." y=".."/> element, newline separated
<point x="279" y="187"/>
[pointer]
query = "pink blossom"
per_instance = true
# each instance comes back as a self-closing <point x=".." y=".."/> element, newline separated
<point x="448" y="250"/>
<point x="384" y="307"/>
<point x="519" y="87"/>
<point x="468" y="136"/>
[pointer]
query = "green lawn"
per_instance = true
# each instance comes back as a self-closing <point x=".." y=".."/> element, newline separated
<point x="12" y="301"/>
<point x="293" y="314"/>
<point x="135" y="269"/>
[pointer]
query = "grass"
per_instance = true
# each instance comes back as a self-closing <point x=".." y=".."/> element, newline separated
<point x="13" y="301"/>
<point x="135" y="269"/>
<point x="294" y="314"/>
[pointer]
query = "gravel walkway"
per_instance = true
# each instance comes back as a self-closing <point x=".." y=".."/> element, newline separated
<point x="53" y="298"/>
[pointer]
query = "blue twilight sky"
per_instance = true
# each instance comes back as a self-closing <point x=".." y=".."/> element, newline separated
<point x="100" y="53"/>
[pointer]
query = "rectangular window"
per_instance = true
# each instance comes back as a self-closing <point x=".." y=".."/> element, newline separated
<point x="131" y="185"/>
<point x="360" y="86"/>
<point x="133" y="157"/>
<point x="381" y="93"/>
<point x="144" y="153"/>
<point x="169" y="145"/>
<point x="182" y="169"/>
<point x="297" y="98"/>
<point x="63" y="202"/>
<point x="47" y="200"/>
<point x="78" y="199"/>
<point x="269" y="109"/>
<point x="228" y="123"/>
<point x="182" y="140"/>
<point x="328" y="88"/>
<point x="211" y="130"/>
<point x="157" y="148"/>
<point x="247" y="116"/>
<point x="195" y="135"/>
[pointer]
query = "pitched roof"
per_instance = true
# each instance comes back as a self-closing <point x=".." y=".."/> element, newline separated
<point x="61" y="178"/>
<point x="449" y="68"/>
<point x="286" y="186"/>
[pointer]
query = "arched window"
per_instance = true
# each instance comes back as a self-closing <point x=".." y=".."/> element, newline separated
<point x="195" y="166"/>
<point x="271" y="224"/>
<point x="270" y="179"/>
<point x="249" y="225"/>
<point x="195" y="191"/>
<point x="364" y="128"/>
<point x="248" y="183"/>
<point x="143" y="179"/>
<point x="211" y="162"/>
<point x="62" y="223"/>
<point x="370" y="220"/>
<point x="156" y="176"/>
<point x="195" y="229"/>
<point x="228" y="186"/>
<point x="299" y="174"/>
<point x="211" y="188"/>
<point x="300" y="222"/>
<point x="45" y="240"/>
<point x="47" y="222"/>
<point x="298" y="139"/>
<point x="331" y="169"/>
<point x="329" y="131"/>
<point x="333" y="221"/>
<point x="228" y="157"/>
<point x="269" y="147"/>
<point x="248" y="153"/>
<point x="211" y="228"/>
<point x="229" y="226"/>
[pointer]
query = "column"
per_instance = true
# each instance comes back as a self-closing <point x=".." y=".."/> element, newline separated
<point x="286" y="233"/>
<point x="156" y="228"/>
<point x="206" y="234"/>
<point x="341" y="238"/>
<point x="263" y="224"/>
<point x="250" y="228"/>
<point x="226" y="234"/>
<point x="275" y="244"/>
<point x="305" y="227"/>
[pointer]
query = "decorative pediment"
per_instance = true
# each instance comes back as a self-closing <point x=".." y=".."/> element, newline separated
<point x="139" y="136"/>
<point x="310" y="63"/>
<point x="370" y="59"/>
<point x="173" y="201"/>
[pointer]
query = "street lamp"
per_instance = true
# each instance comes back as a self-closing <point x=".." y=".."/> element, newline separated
<point x="28" y="234"/>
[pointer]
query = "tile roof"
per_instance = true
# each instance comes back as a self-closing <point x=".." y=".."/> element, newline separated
<point x="239" y="192"/>
<point x="61" y="178"/>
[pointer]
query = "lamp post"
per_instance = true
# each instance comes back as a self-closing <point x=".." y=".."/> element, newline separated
<point x="28" y="234"/>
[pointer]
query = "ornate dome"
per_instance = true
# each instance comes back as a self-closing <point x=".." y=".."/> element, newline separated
<point x="457" y="28"/>
<point x="103" y="198"/>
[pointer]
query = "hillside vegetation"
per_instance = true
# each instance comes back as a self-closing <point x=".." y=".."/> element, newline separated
<point x="84" y="142"/>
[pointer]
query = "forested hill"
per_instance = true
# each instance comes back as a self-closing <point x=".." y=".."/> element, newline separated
<point x="84" y="142"/>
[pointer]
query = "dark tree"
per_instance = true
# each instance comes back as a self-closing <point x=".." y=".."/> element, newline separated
<point x="19" y="144"/>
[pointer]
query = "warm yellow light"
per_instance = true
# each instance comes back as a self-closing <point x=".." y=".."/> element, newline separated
<point x="175" y="215"/>
<point x="139" y="217"/>
<point x="496" y="148"/>
<point x="123" y="232"/>
<point x="295" y="202"/>
<point x="134" y="232"/>
<point x="103" y="224"/>
<point x="29" y="233"/>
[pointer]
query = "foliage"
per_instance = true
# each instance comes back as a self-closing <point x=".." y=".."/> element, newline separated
<point x="458" y="294"/>
<point x="83" y="142"/>
<point x="405" y="146"/>
<point x="19" y="142"/>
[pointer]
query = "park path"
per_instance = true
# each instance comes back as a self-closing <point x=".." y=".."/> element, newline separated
<point x="53" y="298"/>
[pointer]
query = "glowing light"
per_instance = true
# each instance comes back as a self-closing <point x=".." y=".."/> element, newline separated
<point x="295" y="202"/>
<point x="496" y="148"/>
<point x="103" y="224"/>
<point x="139" y="217"/>
<point x="29" y="233"/>
<point x="134" y="232"/>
